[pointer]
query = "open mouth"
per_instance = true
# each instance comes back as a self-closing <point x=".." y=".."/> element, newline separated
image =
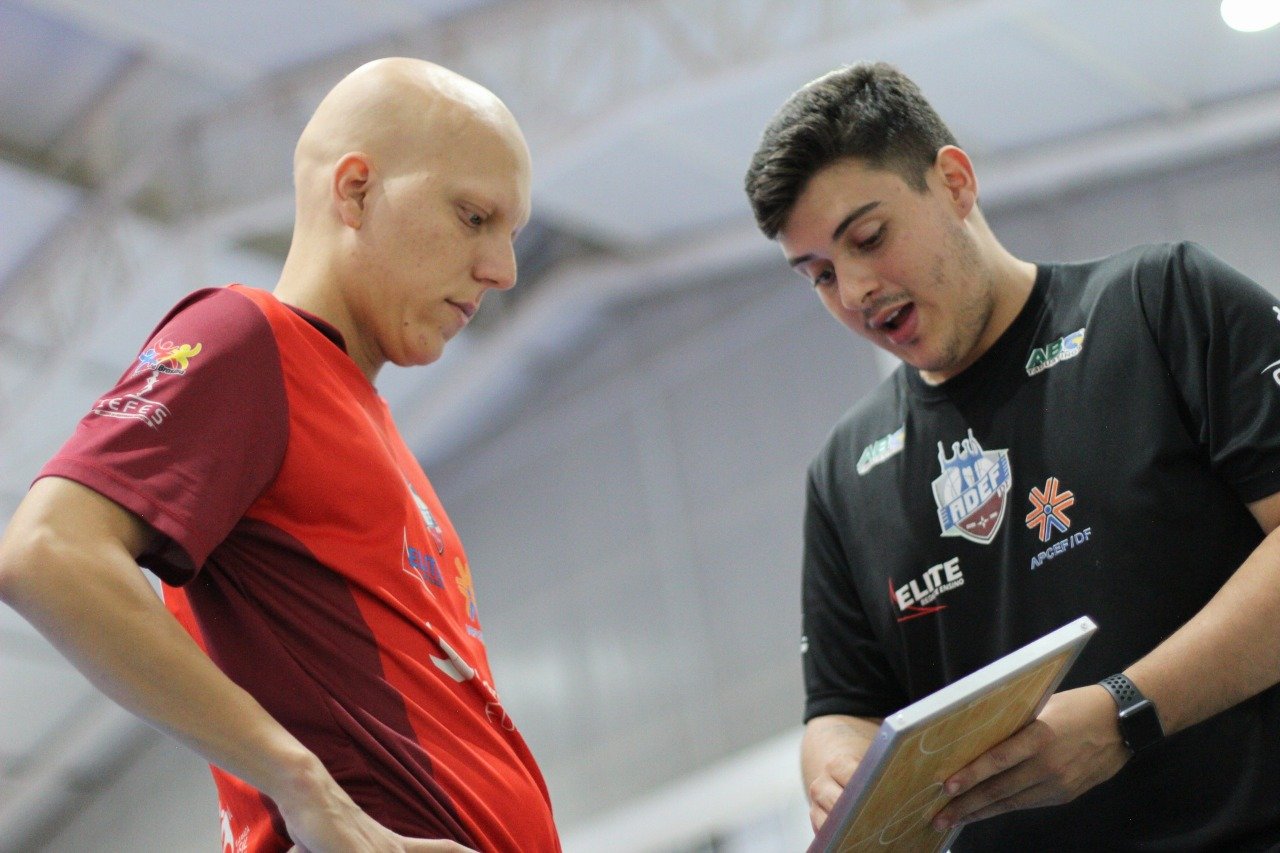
<point x="894" y="320"/>
<point x="898" y="324"/>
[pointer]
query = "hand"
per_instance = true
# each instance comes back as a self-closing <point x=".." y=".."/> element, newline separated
<point x="322" y="818"/>
<point x="411" y="844"/>
<point x="1073" y="745"/>
<point x="826" y="788"/>
<point x="369" y="835"/>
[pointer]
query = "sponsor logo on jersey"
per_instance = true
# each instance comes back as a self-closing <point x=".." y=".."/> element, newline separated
<point x="433" y="526"/>
<point x="134" y="407"/>
<point x="970" y="493"/>
<point x="1063" y="349"/>
<point x="468" y="590"/>
<point x="916" y="599"/>
<point x="230" y="842"/>
<point x="1049" y="514"/>
<point x="1050" y="506"/>
<point x="1274" y="367"/>
<point x="167" y="357"/>
<point x="882" y="449"/>
<point x="420" y="564"/>
<point x="161" y="359"/>
<point x="456" y="668"/>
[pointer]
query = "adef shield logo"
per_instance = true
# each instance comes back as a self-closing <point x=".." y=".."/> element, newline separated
<point x="971" y="491"/>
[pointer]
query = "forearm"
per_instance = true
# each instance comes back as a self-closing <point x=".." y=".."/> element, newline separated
<point x="1226" y="653"/>
<point x="92" y="603"/>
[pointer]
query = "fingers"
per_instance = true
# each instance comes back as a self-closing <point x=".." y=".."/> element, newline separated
<point x="1034" y="796"/>
<point x="826" y="789"/>
<point x="1001" y="779"/>
<point x="823" y="793"/>
<point x="817" y="816"/>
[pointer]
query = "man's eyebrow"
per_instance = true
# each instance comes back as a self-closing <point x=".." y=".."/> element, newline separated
<point x="848" y="220"/>
<point x="839" y="229"/>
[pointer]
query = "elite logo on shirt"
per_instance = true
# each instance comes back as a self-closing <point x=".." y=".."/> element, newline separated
<point x="1045" y="357"/>
<point x="970" y="493"/>
<point x="915" y="599"/>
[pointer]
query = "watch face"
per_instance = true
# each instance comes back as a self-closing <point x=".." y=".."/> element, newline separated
<point x="1140" y="726"/>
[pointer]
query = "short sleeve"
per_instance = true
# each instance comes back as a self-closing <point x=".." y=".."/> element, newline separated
<point x="191" y="433"/>
<point x="1219" y="333"/>
<point x="845" y="669"/>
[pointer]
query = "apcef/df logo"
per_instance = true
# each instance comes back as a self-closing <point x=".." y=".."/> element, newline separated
<point x="971" y="491"/>
<point x="1050" y="509"/>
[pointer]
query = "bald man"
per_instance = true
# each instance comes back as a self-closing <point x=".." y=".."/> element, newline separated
<point x="326" y="656"/>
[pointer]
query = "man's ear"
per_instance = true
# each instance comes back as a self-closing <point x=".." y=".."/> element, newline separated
<point x="352" y="180"/>
<point x="958" y="178"/>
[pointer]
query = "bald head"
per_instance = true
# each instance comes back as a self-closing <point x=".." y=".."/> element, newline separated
<point x="404" y="115"/>
<point x="412" y="183"/>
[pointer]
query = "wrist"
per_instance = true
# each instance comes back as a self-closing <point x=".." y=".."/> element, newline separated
<point x="1137" y="718"/>
<point x="298" y="777"/>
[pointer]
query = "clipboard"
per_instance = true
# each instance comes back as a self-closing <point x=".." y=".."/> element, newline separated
<point x="896" y="790"/>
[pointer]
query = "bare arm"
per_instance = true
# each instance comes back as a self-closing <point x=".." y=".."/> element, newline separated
<point x="1075" y="743"/>
<point x="67" y="564"/>
<point x="830" y="751"/>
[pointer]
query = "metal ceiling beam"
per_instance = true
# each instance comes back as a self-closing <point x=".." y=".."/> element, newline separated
<point x="107" y="23"/>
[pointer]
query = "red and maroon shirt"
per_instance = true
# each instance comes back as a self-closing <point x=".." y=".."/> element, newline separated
<point x="304" y="549"/>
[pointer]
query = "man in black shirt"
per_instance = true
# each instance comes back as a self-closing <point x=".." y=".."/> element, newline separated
<point x="1095" y="439"/>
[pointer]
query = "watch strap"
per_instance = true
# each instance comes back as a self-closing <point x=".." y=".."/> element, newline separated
<point x="1125" y="693"/>
<point x="1140" y="725"/>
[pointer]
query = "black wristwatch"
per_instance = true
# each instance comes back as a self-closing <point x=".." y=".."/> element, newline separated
<point x="1139" y="723"/>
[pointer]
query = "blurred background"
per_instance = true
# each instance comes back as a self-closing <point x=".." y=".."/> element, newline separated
<point x="621" y="439"/>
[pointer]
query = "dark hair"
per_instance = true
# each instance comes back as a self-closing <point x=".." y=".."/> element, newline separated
<point x="870" y="111"/>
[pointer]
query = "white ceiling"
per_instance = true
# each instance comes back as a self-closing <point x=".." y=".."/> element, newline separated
<point x="145" y="145"/>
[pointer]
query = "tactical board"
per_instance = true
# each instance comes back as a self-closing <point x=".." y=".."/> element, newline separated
<point x="892" y="797"/>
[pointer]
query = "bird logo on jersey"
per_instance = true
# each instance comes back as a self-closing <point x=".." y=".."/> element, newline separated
<point x="167" y="357"/>
<point x="970" y="493"/>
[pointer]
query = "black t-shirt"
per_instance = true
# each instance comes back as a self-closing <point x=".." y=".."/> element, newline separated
<point x="1095" y="461"/>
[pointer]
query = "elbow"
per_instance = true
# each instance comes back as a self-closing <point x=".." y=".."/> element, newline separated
<point x="23" y="550"/>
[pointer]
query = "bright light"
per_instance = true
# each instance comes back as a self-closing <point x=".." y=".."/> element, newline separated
<point x="1250" y="16"/>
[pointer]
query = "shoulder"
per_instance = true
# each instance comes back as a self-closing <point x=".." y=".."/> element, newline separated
<point x="1139" y="279"/>
<point x="218" y="324"/>
<point x="225" y="310"/>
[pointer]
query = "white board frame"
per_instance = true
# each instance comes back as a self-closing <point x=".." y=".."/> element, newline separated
<point x="850" y="826"/>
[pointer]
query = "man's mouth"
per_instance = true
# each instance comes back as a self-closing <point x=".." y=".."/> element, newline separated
<point x="899" y="324"/>
<point x="468" y="309"/>
<point x="889" y="321"/>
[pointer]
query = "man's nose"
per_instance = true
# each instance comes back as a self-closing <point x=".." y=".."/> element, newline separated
<point x="856" y="283"/>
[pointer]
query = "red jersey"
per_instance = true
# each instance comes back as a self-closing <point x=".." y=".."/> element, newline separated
<point x="304" y="549"/>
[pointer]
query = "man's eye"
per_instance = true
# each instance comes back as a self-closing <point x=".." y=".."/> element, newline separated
<point x="823" y="277"/>
<point x="872" y="241"/>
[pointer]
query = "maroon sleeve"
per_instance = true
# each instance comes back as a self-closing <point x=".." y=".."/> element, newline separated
<point x="192" y="432"/>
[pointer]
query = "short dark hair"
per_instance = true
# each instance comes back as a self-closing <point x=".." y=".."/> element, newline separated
<point x="869" y="111"/>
